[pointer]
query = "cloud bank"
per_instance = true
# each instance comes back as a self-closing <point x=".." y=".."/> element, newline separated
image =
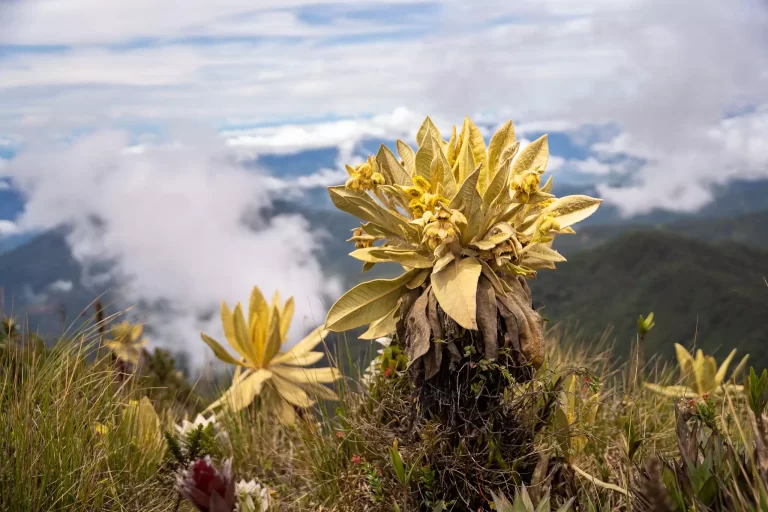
<point x="172" y="220"/>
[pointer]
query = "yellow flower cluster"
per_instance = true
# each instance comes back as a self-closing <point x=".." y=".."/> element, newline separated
<point x="421" y="199"/>
<point x="361" y="238"/>
<point x="504" y="252"/>
<point x="526" y="184"/>
<point x="440" y="226"/>
<point x="364" y="176"/>
<point x="545" y="225"/>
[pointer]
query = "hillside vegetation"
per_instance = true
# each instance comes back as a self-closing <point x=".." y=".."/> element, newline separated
<point x="712" y="294"/>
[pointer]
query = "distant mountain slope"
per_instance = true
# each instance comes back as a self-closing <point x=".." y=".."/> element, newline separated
<point x="716" y="293"/>
<point x="41" y="280"/>
<point x="750" y="229"/>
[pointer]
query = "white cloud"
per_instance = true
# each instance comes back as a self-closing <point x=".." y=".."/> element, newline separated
<point x="8" y="227"/>
<point x="172" y="219"/>
<point x="555" y="162"/>
<point x="92" y="22"/>
<point x="290" y="138"/>
<point x="591" y="166"/>
<point x="664" y="72"/>
<point x="32" y="298"/>
<point x="61" y="286"/>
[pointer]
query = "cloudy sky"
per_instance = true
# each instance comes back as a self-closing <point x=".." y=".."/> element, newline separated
<point x="141" y="113"/>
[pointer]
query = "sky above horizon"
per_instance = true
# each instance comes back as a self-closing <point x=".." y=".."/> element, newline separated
<point x="135" y="111"/>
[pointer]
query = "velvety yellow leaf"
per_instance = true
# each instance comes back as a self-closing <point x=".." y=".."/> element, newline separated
<point x="241" y="333"/>
<point x="290" y="392"/>
<point x="145" y="425"/>
<point x="451" y="153"/>
<point x="476" y="143"/>
<point x="218" y="350"/>
<point x="391" y="168"/>
<point x="469" y="202"/>
<point x="368" y="255"/>
<point x="228" y="323"/>
<point x="278" y="406"/>
<point x="305" y="345"/>
<point x="739" y="367"/>
<point x="286" y="315"/>
<point x="306" y="359"/>
<point x="504" y="136"/>
<point x="509" y="212"/>
<point x="508" y="156"/>
<point x="684" y="360"/>
<point x="407" y="156"/>
<point x="572" y="209"/>
<point x="274" y="340"/>
<point x="533" y="156"/>
<point x="383" y="326"/>
<point x="363" y="206"/>
<point x="427" y="128"/>
<point x="464" y="164"/>
<point x="129" y="352"/>
<point x="539" y="196"/>
<point x="424" y="156"/>
<point x="320" y="392"/>
<point x="537" y="264"/>
<point x="136" y="331"/>
<point x="258" y="317"/>
<point x="404" y="257"/>
<point x="241" y="394"/>
<point x="444" y="261"/>
<point x="455" y="288"/>
<point x="419" y="279"/>
<point x="499" y="185"/>
<point x="464" y="199"/>
<point x="257" y="306"/>
<point x="705" y="376"/>
<point x="366" y="303"/>
<point x="460" y="139"/>
<point x="543" y="252"/>
<point x="276" y="300"/>
<point x="387" y="218"/>
<point x="489" y="243"/>
<point x="547" y="187"/>
<point x="720" y="375"/>
<point x="436" y="174"/>
<point x="448" y="180"/>
<point x="672" y="391"/>
<point x="302" y="375"/>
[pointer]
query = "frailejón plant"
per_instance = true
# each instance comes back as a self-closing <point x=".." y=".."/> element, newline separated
<point x="700" y="375"/>
<point x="126" y="342"/>
<point x="281" y="379"/>
<point x="468" y="223"/>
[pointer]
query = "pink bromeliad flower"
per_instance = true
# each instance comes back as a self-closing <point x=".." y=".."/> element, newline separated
<point x="207" y="488"/>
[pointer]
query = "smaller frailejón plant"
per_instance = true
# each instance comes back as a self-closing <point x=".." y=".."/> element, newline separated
<point x="468" y="224"/>
<point x="126" y="342"/>
<point x="700" y="375"/>
<point x="281" y="379"/>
